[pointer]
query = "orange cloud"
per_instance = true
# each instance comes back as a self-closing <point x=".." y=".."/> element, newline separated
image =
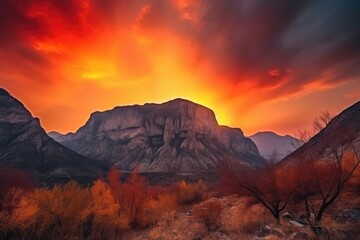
<point x="66" y="59"/>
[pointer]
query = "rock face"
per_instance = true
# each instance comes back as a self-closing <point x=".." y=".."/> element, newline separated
<point x="340" y="129"/>
<point x="24" y="144"/>
<point x="269" y="142"/>
<point x="176" y="136"/>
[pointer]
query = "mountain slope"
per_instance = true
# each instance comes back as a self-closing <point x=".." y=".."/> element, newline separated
<point x="269" y="142"/>
<point x="340" y="129"/>
<point x="24" y="144"/>
<point x="176" y="136"/>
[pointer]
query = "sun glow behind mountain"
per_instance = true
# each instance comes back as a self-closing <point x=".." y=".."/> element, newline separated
<point x="255" y="68"/>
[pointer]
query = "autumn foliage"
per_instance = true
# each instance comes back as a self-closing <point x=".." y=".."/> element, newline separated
<point x="191" y="193"/>
<point x="104" y="210"/>
<point x="210" y="213"/>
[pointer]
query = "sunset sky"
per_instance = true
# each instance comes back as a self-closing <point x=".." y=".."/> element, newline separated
<point x="259" y="64"/>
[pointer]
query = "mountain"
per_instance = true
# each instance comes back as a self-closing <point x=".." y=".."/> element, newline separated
<point x="176" y="136"/>
<point x="340" y="130"/>
<point x="269" y="142"/>
<point x="24" y="144"/>
<point x="55" y="135"/>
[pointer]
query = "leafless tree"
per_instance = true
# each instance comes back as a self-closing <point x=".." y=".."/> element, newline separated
<point x="302" y="137"/>
<point x="319" y="123"/>
<point x="325" y="176"/>
<point x="272" y="187"/>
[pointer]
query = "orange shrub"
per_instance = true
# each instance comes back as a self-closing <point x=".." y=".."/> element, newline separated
<point x="209" y="212"/>
<point x="104" y="207"/>
<point x="62" y="209"/>
<point x="191" y="193"/>
<point x="156" y="208"/>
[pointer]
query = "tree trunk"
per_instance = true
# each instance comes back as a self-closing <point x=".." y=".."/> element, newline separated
<point x="320" y="214"/>
<point x="276" y="215"/>
<point x="308" y="215"/>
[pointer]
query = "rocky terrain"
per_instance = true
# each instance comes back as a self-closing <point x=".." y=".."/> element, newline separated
<point x="272" y="145"/>
<point x="239" y="221"/>
<point x="24" y="144"/>
<point x="176" y="136"/>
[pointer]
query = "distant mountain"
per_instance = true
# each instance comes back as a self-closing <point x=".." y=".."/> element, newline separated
<point x="176" y="136"/>
<point x="58" y="136"/>
<point x="340" y="129"/>
<point x="269" y="143"/>
<point x="55" y="135"/>
<point x="24" y="144"/>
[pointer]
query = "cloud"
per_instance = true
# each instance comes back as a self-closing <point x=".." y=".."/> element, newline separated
<point x="249" y="37"/>
<point x="244" y="52"/>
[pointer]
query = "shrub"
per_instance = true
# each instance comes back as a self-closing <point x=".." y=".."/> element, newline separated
<point x="209" y="212"/>
<point x="62" y="209"/>
<point x="191" y="193"/>
<point x="156" y="208"/>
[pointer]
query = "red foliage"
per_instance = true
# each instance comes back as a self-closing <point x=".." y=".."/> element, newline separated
<point x="129" y="194"/>
<point x="272" y="187"/>
<point x="210" y="213"/>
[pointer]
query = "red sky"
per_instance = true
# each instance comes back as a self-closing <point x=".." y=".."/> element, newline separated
<point x="260" y="65"/>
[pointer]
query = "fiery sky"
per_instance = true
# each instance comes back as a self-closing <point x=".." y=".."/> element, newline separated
<point x="259" y="64"/>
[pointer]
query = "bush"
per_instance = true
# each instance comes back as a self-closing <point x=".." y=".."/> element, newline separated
<point x="209" y="213"/>
<point x="191" y="193"/>
<point x="157" y="208"/>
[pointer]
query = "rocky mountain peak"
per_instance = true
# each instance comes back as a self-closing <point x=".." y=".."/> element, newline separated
<point x="177" y="135"/>
<point x="12" y="110"/>
<point x="167" y="118"/>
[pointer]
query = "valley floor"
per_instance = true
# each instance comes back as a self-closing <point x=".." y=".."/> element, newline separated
<point x="238" y="221"/>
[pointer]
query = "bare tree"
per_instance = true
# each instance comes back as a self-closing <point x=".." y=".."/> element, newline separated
<point x="319" y="123"/>
<point x="272" y="187"/>
<point x="302" y="137"/>
<point x="325" y="176"/>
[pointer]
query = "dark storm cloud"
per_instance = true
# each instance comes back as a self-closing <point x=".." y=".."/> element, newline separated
<point x="249" y="38"/>
<point x="246" y="35"/>
<point x="309" y="36"/>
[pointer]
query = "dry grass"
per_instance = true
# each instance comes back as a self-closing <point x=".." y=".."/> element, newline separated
<point x="241" y="222"/>
<point x="238" y="221"/>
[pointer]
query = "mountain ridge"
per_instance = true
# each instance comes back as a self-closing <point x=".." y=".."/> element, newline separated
<point x="159" y="133"/>
<point x="24" y="144"/>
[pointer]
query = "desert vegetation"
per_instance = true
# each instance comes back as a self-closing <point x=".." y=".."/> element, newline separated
<point x="107" y="209"/>
<point x="313" y="200"/>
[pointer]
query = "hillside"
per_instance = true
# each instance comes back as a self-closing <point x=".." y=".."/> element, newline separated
<point x="25" y="145"/>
